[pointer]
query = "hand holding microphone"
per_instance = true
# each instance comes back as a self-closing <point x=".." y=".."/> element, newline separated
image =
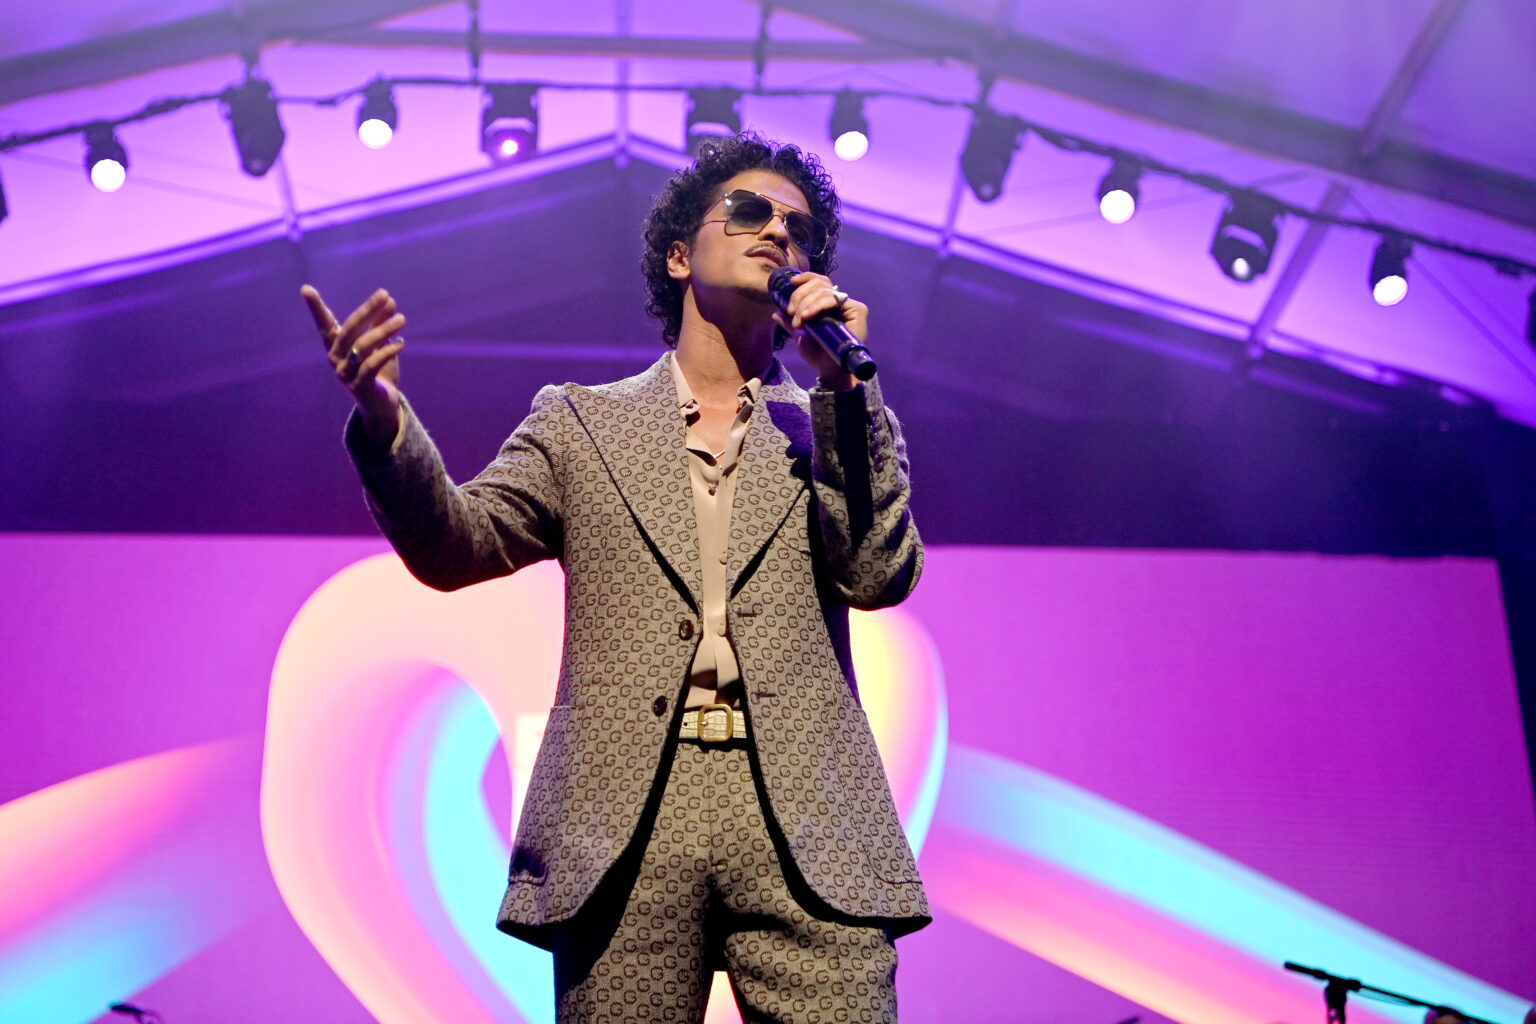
<point x="826" y="322"/>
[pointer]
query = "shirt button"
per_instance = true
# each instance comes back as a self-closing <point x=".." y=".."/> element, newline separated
<point x="659" y="705"/>
<point x="722" y="557"/>
<point x="720" y="628"/>
<point x="685" y="628"/>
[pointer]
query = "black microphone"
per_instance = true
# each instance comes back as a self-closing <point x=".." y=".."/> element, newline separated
<point x="1310" y="971"/>
<point x="827" y="328"/>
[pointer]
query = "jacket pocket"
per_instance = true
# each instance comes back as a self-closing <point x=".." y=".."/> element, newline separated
<point x="543" y="810"/>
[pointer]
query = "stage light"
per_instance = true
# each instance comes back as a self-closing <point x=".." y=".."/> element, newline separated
<point x="509" y="123"/>
<point x="377" y="117"/>
<point x="988" y="151"/>
<point x="1530" y="320"/>
<point x="1389" y="271"/>
<point x="252" y="115"/>
<point x="105" y="159"/>
<point x="849" y="128"/>
<point x="1119" y="192"/>
<point x="712" y="114"/>
<point x="1245" y="238"/>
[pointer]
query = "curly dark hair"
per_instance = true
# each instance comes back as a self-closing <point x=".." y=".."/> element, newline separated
<point x="679" y="212"/>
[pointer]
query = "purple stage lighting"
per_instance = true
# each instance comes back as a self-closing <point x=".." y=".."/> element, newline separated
<point x="378" y="116"/>
<point x="106" y="161"/>
<point x="1245" y="238"/>
<point x="849" y="128"/>
<point x="989" y="151"/>
<point x="252" y="114"/>
<point x="1389" y="271"/>
<point x="1119" y="192"/>
<point x="712" y="114"/>
<point x="509" y="123"/>
<point x="1530" y="321"/>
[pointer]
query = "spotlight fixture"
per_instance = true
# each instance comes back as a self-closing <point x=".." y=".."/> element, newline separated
<point x="849" y="128"/>
<point x="105" y="159"/>
<point x="1530" y="320"/>
<point x="1389" y="271"/>
<point x="988" y="151"/>
<point x="509" y="123"/>
<point x="1120" y="191"/>
<point x="1245" y="238"/>
<point x="712" y="114"/>
<point x="252" y="115"/>
<point x="377" y="116"/>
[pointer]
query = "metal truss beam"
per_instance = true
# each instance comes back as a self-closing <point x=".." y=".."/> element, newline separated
<point x="215" y="34"/>
<point x="621" y="47"/>
<point x="890" y="31"/>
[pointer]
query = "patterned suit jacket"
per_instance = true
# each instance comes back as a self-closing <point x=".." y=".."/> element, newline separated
<point x="598" y="478"/>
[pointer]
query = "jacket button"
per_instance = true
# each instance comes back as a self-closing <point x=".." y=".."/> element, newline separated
<point x="685" y="628"/>
<point x="659" y="705"/>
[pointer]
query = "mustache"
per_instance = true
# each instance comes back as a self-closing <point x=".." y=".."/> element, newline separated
<point x="770" y="250"/>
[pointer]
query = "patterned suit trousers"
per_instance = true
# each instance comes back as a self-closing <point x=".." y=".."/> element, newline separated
<point x="707" y="892"/>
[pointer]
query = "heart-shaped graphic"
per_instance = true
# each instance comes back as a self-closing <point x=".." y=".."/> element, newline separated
<point x="386" y="706"/>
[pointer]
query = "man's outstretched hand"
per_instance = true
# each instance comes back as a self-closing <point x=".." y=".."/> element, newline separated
<point x="364" y="350"/>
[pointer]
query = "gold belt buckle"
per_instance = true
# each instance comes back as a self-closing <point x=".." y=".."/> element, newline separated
<point x="716" y="723"/>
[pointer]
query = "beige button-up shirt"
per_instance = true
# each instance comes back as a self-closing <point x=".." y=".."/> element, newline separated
<point x="715" y="675"/>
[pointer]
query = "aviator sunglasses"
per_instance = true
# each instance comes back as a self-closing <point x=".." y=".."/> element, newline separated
<point x="748" y="211"/>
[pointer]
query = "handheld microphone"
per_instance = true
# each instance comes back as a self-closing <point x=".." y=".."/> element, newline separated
<point x="828" y="329"/>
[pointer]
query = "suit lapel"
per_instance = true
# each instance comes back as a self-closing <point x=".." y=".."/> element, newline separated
<point x="640" y="437"/>
<point x="775" y="467"/>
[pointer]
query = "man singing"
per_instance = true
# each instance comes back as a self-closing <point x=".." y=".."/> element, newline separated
<point x="708" y="793"/>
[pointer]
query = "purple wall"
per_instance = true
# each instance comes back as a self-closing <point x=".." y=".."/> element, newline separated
<point x="1347" y="727"/>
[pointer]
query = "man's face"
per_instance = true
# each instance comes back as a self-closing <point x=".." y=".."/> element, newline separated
<point x="722" y="257"/>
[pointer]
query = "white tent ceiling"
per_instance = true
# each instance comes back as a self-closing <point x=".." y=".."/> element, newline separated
<point x="1416" y="113"/>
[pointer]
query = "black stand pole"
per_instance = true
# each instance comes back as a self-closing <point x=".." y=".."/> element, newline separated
<point x="1336" y="994"/>
<point x="1336" y="991"/>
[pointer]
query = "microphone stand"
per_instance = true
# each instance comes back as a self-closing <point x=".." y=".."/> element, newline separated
<point x="141" y="1015"/>
<point x="1336" y="992"/>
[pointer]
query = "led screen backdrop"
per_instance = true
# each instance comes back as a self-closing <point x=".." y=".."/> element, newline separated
<point x="272" y="778"/>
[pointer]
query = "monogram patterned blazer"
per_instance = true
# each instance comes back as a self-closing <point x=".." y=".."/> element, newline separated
<point x="598" y="478"/>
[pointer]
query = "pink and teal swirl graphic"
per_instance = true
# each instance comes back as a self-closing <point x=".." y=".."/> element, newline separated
<point x="114" y="877"/>
<point x="1151" y="914"/>
<point x="400" y="726"/>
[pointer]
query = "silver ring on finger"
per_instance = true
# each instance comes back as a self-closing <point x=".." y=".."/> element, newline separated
<point x="840" y="295"/>
<point x="354" y="360"/>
